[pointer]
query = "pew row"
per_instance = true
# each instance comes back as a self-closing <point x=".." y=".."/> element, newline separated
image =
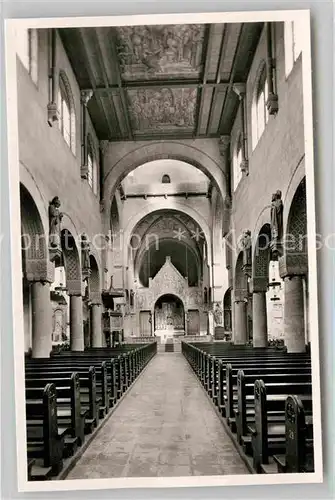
<point x="68" y="396"/>
<point x="250" y="389"/>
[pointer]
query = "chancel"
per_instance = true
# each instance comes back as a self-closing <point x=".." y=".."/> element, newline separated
<point x="161" y="169"/>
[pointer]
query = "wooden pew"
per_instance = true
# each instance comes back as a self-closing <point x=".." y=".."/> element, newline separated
<point x="243" y="397"/>
<point x="88" y="397"/>
<point x="45" y="443"/>
<point x="69" y="412"/>
<point x="260" y="367"/>
<point x="269" y="438"/>
<point x="299" y="454"/>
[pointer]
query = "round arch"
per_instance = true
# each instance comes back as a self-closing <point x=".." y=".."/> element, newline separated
<point x="35" y="256"/>
<point x="297" y="178"/>
<point x="194" y="259"/>
<point x="71" y="263"/>
<point x="166" y="205"/>
<point x="28" y="182"/>
<point x="240" y="280"/>
<point x="261" y="259"/>
<point x="227" y="310"/>
<point x="163" y="294"/>
<point x="162" y="150"/>
<point x="172" y="318"/>
<point x="296" y="227"/>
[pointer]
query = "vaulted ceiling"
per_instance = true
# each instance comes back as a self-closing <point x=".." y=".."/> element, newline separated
<point x="162" y="81"/>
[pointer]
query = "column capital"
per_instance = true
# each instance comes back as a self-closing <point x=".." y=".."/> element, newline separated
<point x="95" y="298"/>
<point x="240" y="90"/>
<point x="224" y="143"/>
<point x="293" y="264"/>
<point x="85" y="96"/>
<point x="244" y="166"/>
<point x="258" y="284"/>
<point x="40" y="270"/>
<point x="240" y="295"/>
<point x="103" y="146"/>
<point x="74" y="287"/>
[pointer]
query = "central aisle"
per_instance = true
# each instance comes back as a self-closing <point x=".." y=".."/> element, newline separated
<point x="165" y="426"/>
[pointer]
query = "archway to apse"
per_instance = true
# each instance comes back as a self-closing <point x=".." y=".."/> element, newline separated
<point x="148" y="153"/>
<point x="168" y="233"/>
<point x="169" y="317"/>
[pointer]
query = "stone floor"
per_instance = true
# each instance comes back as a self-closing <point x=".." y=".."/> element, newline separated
<point x="164" y="427"/>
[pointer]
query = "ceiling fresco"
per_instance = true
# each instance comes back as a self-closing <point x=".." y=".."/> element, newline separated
<point x="165" y="109"/>
<point x="166" y="81"/>
<point x="161" y="51"/>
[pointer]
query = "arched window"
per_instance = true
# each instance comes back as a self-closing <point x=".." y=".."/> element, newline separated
<point x="237" y="160"/>
<point x="27" y="48"/>
<point x="92" y="170"/>
<point x="166" y="179"/>
<point x="67" y="119"/>
<point x="293" y="37"/>
<point x="260" y="114"/>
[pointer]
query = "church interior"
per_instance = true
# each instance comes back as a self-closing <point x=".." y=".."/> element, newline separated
<point x="164" y="238"/>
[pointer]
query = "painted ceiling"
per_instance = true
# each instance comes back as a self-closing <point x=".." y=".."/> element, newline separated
<point x="162" y="81"/>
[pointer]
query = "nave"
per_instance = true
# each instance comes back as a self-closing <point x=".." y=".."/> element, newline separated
<point x="256" y="416"/>
<point x="163" y="203"/>
<point x="166" y="426"/>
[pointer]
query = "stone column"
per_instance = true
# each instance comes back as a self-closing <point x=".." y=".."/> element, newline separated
<point x="293" y="268"/>
<point x="96" y="325"/>
<point x="294" y="321"/>
<point x="259" y="319"/>
<point x="76" y="323"/>
<point x="240" y="333"/>
<point x="41" y="319"/>
<point x="258" y="288"/>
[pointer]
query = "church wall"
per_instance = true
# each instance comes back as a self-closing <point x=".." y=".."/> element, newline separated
<point x="43" y="151"/>
<point x="281" y="147"/>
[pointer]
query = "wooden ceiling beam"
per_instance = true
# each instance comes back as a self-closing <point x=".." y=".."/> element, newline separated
<point x="161" y="84"/>
<point x="247" y="32"/>
<point x="232" y="74"/>
<point x="121" y="89"/>
<point x="208" y="50"/>
<point x="218" y="86"/>
<point x="102" y="65"/>
<point x="92" y="80"/>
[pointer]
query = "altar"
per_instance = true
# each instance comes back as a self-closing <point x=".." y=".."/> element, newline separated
<point x="169" y="317"/>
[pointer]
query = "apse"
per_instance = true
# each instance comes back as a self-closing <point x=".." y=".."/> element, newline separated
<point x="182" y="257"/>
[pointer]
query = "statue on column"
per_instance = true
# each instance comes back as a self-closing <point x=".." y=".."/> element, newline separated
<point x="276" y="224"/>
<point x="85" y="255"/>
<point x="245" y="244"/>
<point x="131" y="298"/>
<point x="205" y="295"/>
<point x="277" y="216"/>
<point x="55" y="218"/>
